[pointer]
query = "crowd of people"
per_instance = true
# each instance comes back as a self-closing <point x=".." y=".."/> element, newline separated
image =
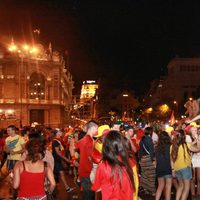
<point x="107" y="161"/>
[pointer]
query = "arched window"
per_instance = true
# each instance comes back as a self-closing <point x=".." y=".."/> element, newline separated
<point x="37" y="86"/>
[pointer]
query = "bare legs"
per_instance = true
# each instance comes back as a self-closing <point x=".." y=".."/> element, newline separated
<point x="192" y="183"/>
<point x="62" y="176"/>
<point x="195" y="177"/>
<point x="182" y="189"/>
<point x="164" y="184"/>
<point x="186" y="189"/>
<point x="198" y="180"/>
<point x="168" y="186"/>
<point x="179" y="189"/>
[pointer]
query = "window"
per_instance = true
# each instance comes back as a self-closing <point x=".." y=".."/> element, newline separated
<point x="37" y="86"/>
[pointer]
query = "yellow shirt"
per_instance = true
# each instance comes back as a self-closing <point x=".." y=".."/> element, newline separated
<point x="15" y="144"/>
<point x="181" y="161"/>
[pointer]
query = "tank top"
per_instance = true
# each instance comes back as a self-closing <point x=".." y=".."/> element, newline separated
<point x="31" y="183"/>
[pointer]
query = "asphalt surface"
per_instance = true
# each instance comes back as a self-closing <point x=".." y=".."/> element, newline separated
<point x="60" y="192"/>
<point x="76" y="194"/>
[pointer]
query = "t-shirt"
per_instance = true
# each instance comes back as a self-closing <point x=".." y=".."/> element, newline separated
<point x="57" y="158"/>
<point x="112" y="189"/>
<point x="134" y="141"/>
<point x="181" y="161"/>
<point x="163" y="163"/>
<point x="15" y="144"/>
<point x="85" y="145"/>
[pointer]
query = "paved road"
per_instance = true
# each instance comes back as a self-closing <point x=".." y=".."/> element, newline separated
<point x="74" y="195"/>
<point x="60" y="191"/>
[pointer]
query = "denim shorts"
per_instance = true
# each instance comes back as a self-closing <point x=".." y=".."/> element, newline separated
<point x="184" y="174"/>
<point x="168" y="176"/>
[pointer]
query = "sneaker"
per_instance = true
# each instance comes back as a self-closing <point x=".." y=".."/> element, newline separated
<point x="77" y="182"/>
<point x="69" y="189"/>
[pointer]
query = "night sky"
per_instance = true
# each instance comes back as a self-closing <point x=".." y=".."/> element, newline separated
<point x="126" y="43"/>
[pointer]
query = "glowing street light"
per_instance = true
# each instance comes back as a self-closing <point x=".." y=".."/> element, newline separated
<point x="149" y="110"/>
<point x="34" y="50"/>
<point x="10" y="111"/>
<point x="164" y="108"/>
<point x="12" y="48"/>
<point x="26" y="47"/>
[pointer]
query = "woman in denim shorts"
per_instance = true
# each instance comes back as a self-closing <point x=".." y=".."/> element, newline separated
<point x="181" y="160"/>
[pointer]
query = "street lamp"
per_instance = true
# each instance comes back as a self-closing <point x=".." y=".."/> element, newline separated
<point x="164" y="108"/>
<point x="176" y="106"/>
<point x="190" y="98"/>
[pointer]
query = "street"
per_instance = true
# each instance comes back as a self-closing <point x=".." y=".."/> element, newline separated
<point x="60" y="191"/>
<point x="75" y="194"/>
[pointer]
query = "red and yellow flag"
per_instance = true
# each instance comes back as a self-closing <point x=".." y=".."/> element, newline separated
<point x="172" y="119"/>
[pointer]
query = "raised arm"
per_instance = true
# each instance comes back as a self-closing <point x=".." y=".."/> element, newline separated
<point x="195" y="146"/>
<point x="194" y="119"/>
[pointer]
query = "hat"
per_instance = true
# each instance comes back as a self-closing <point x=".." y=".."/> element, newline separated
<point x="192" y="124"/>
<point x="195" y="124"/>
<point x="102" y="130"/>
<point x="169" y="129"/>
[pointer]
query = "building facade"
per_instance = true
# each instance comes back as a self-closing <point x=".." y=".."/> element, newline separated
<point x="35" y="86"/>
<point x="181" y="84"/>
<point x="84" y="106"/>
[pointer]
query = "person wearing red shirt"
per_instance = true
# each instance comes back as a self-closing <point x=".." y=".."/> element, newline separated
<point x="114" y="175"/>
<point x="85" y="146"/>
<point x="29" y="175"/>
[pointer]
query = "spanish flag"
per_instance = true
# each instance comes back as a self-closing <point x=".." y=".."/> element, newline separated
<point x="172" y="119"/>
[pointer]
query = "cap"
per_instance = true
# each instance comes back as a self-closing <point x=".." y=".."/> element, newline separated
<point x="102" y="130"/>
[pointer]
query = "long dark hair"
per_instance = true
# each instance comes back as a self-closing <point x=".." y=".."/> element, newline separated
<point x="179" y="140"/>
<point x="114" y="152"/>
<point x="35" y="150"/>
<point x="163" y="141"/>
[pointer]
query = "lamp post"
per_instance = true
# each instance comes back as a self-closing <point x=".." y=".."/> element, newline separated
<point x="176" y="107"/>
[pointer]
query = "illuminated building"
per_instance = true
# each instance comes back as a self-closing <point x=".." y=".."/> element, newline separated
<point x="35" y="86"/>
<point x="88" y="89"/>
<point x="85" y="107"/>
<point x="88" y="99"/>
